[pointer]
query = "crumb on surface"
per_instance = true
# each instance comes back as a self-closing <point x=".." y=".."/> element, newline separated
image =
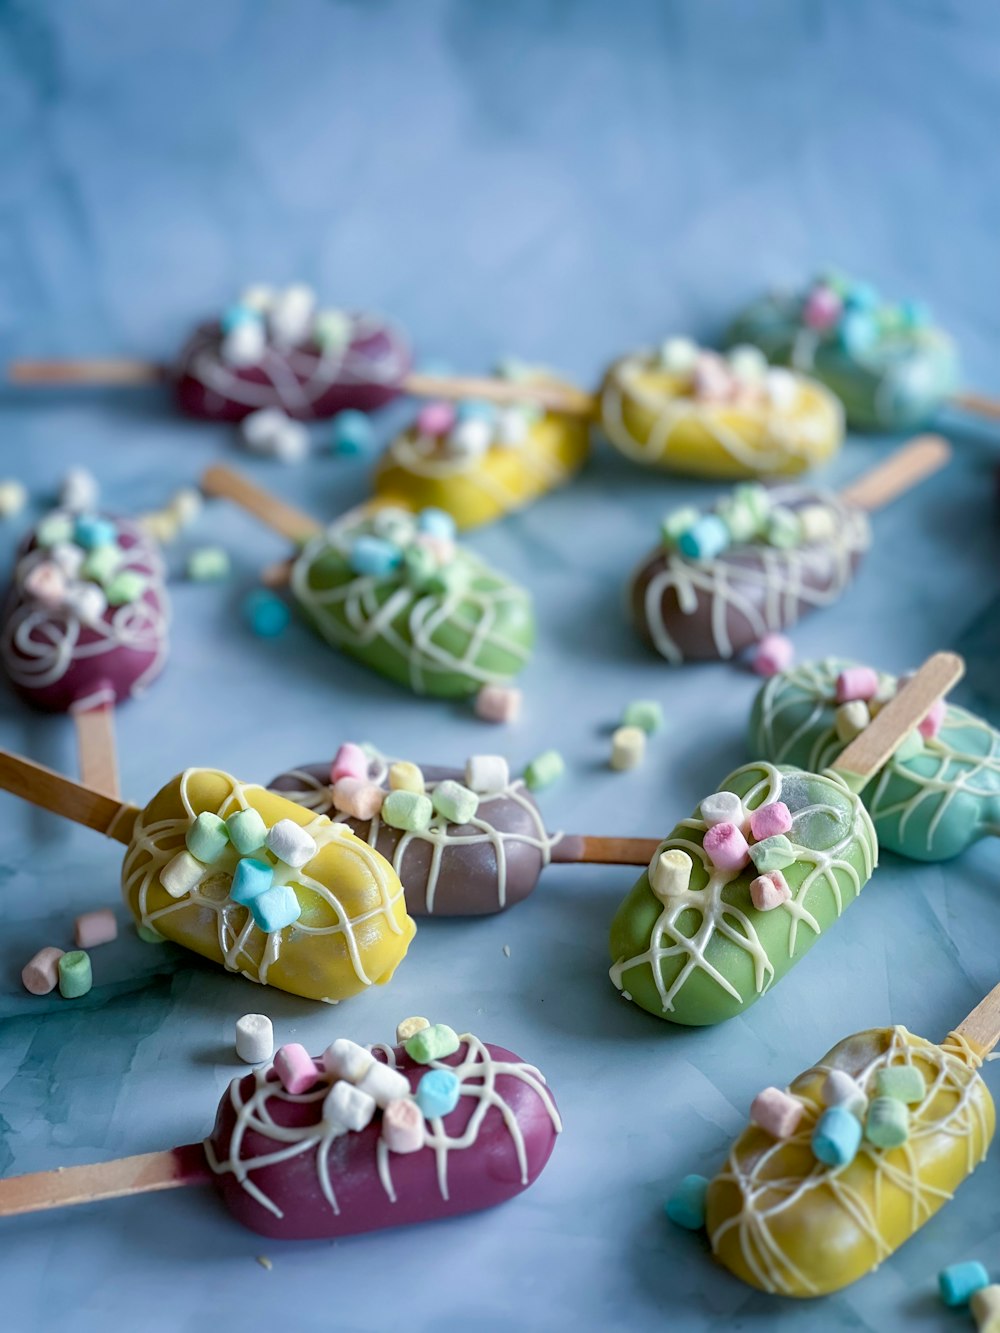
<point x="264" y="1262"/>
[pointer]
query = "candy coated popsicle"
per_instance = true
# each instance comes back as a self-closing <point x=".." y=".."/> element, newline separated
<point x="306" y="907"/>
<point x="690" y="410"/>
<point x="288" y="1165"/>
<point x="930" y="802"/>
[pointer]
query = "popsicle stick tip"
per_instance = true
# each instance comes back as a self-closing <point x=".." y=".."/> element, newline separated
<point x="585" y="849"/>
<point x="979" y="404"/>
<point x="62" y="796"/>
<point x="226" y="483"/>
<point x="981" y="1028"/>
<point x="920" y="458"/>
<point x="97" y="373"/>
<point x="142" y="1174"/>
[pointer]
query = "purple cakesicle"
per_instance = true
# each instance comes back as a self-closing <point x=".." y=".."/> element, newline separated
<point x="86" y="616"/>
<point x="336" y="1182"/>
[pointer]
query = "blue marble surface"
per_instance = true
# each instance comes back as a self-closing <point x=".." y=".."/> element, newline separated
<point x="560" y="181"/>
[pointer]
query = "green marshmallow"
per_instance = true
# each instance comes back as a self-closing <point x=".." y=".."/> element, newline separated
<point x="912" y="744"/>
<point x="101" y="563"/>
<point x="888" y="1123"/>
<point x="754" y="497"/>
<point x="740" y="520"/>
<point x="128" y="586"/>
<point x="75" y="976"/>
<point x="208" y="564"/>
<point x="784" y="528"/>
<point x="545" y="769"/>
<point x="677" y="522"/>
<point x="454" y="802"/>
<point x="774" y="853"/>
<point x="247" y="831"/>
<point x="646" y="714"/>
<point x="432" y="1043"/>
<point x="408" y="810"/>
<point x="207" y="838"/>
<point x="150" y="936"/>
<point x="420" y="565"/>
<point x="905" y="1083"/>
<point x="448" y="580"/>
<point x="53" y="529"/>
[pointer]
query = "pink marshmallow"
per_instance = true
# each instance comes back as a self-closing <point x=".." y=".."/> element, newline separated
<point x="442" y="549"/>
<point x="931" y="724"/>
<point x="773" y="654"/>
<point x="857" y="683"/>
<point x="93" y="928"/>
<point x="713" y="380"/>
<point x="403" y="1126"/>
<point x="776" y="1113"/>
<point x="726" y="847"/>
<point x="46" y="583"/>
<point x="41" y="974"/>
<point x="350" y="761"/>
<point x="769" y="891"/>
<point x="358" y="798"/>
<point x="822" y="309"/>
<point x="436" y="419"/>
<point x="498" y="703"/>
<point x="296" y="1068"/>
<point x="767" y="820"/>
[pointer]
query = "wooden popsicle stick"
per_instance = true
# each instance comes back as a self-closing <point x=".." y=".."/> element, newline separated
<point x="279" y="574"/>
<point x="62" y="796"/>
<point x="981" y="1028"/>
<point x="565" y="398"/>
<point x="907" y="467"/>
<point x="228" y="484"/>
<point x="584" y="848"/>
<point x="876" y="745"/>
<point x="142" y="1174"/>
<point x="102" y="371"/>
<point x="95" y="743"/>
<point x="978" y="404"/>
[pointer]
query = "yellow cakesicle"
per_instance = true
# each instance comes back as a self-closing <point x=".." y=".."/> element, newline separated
<point x="418" y="471"/>
<point x="784" y="1222"/>
<point x="353" y="930"/>
<point x="651" y="415"/>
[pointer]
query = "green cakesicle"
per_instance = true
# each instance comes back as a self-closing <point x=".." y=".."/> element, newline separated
<point x="445" y="637"/>
<point x="704" y="953"/>
<point x="929" y="805"/>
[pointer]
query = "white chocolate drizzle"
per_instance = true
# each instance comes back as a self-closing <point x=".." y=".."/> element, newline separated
<point x="768" y="1193"/>
<point x="243" y="946"/>
<point x="726" y="920"/>
<point x="477" y="1074"/>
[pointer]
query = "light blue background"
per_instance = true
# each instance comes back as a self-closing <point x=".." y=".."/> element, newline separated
<point x="560" y="181"/>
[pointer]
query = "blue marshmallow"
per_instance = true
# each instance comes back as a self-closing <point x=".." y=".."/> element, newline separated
<point x="375" y="556"/>
<point x="705" y="539"/>
<point x="276" y="908"/>
<point x="837" y="1137"/>
<point x="959" y="1282"/>
<point x="250" y="879"/>
<point x="352" y="433"/>
<point x="91" y="531"/>
<point x="476" y="408"/>
<point x="857" y="331"/>
<point x="437" y="1093"/>
<point x="437" y="523"/>
<point x="266" y="614"/>
<point x="686" y="1206"/>
<point x="235" y="315"/>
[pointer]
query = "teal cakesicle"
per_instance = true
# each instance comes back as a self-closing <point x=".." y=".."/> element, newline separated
<point x="929" y="805"/>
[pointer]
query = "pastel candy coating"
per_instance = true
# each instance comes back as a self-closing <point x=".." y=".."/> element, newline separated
<point x="477" y="630"/>
<point x="57" y="658"/>
<point x="702" y="953"/>
<point x="929" y="804"/>
<point x="703" y="610"/>
<point x="826" y="1227"/>
<point x="310" y="381"/>
<point x="887" y="379"/>
<point x="486" y="1151"/>
<point x="353" y="930"/>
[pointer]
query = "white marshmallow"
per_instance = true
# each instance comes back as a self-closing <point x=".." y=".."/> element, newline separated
<point x="723" y="807"/>
<point x="748" y="364"/>
<point x="182" y="874"/>
<point x="291" y="444"/>
<point x="13" y="498"/>
<point x="346" y="1059"/>
<point x="384" y="1084"/>
<point x="259" y="297"/>
<point x="782" y="387"/>
<point x="291" y="316"/>
<point x="839" y="1089"/>
<point x="261" y="428"/>
<point x="254" y="1038"/>
<point x="819" y="523"/>
<point x="470" y="438"/>
<point x="87" y="601"/>
<point x="409" y="1027"/>
<point x="332" y="329"/>
<point x="348" y="1107"/>
<point x="486" y="773"/>
<point x="186" y="505"/>
<point x="851" y="719"/>
<point x="291" y="843"/>
<point x="68" y="557"/>
<point x="244" y="344"/>
<point x="512" y="427"/>
<point x="679" y="355"/>
<point x="628" y="748"/>
<point x="79" y="491"/>
<point x="669" y="872"/>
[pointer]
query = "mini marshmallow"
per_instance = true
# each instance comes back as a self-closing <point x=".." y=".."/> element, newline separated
<point x="934" y="720"/>
<point x="374" y="557"/>
<point x="207" y="564"/>
<point x="291" y="444"/>
<point x="851" y="719"/>
<point x="432" y="1043"/>
<point x="679" y="356"/>
<point x="247" y="830"/>
<point x="261" y="428"/>
<point x="79" y="490"/>
<point x="348" y="1106"/>
<point x="185" y="505"/>
<point x="181" y="874"/>
<point x="291" y="314"/>
<point x="207" y="837"/>
<point x="69" y="557"/>
<point x="13" y="498"/>
<point x="352" y="433"/>
<point x="686" y="1206"/>
<point x="250" y="879"/>
<point x="254" y="1038"/>
<point x="959" y="1282"/>
<point x="768" y="820"/>
<point x="985" y="1306"/>
<point x="784" y="528"/>
<point x="453" y="802"/>
<point x="774" y="853"/>
<point x="782" y="387"/>
<point x="498" y="703"/>
<point x="53" y="529"/>
<point x="45" y="583"/>
<point x="859" y="682"/>
<point x="350" y="761"/>
<point x="774" y="654"/>
<point x="487" y="773"/>
<point x="840" y="1089"/>
<point x="819" y="523"/>
<point x="91" y="531"/>
<point x="244" y="345"/>
<point x="544" y="769"/>
<point x="669" y="873"/>
<point x="403" y="1126"/>
<point x="266" y="614"/>
<point x="676" y="523"/>
<point x="470" y="437"/>
<point x="436" y="419"/>
<point x="837" y="1137"/>
<point x="712" y="380"/>
<point x="101" y="563"/>
<point x="295" y="1067"/>
<point x="93" y="928"/>
<point x="438" y="1093"/>
<point x="644" y="713"/>
<point x="909" y="747"/>
<point x="75" y="976"/>
<point x="409" y="1027"/>
<point x="628" y="748"/>
<point x="358" y="798"/>
<point x="904" y="1082"/>
<point x="290" y="843"/>
<point x="408" y="810"/>
<point x="404" y="776"/>
<point x="347" y="1060"/>
<point x="437" y="523"/>
<point x="747" y="363"/>
<point x="726" y="847"/>
<point x="383" y="1083"/>
<point x="332" y="329"/>
<point x="512" y="427"/>
<point x="887" y="1124"/>
<point x="705" y="539"/>
<point x="769" y="891"/>
<point x="126" y="587"/>
<point x="822" y="309"/>
<point x="276" y="908"/>
<point x="723" y="807"/>
<point x="40" y="975"/>
<point x="776" y="1112"/>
